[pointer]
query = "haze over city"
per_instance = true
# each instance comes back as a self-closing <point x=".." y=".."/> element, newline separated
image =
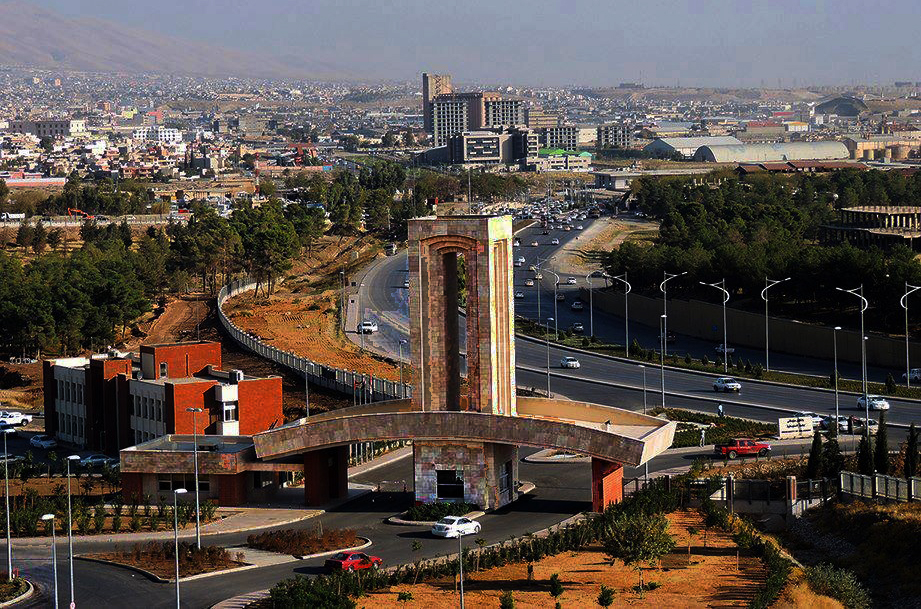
<point x="550" y="42"/>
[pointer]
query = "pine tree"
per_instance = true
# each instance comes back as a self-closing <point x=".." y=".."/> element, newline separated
<point x="881" y="458"/>
<point x="865" y="456"/>
<point x="815" y="465"/>
<point x="832" y="459"/>
<point x="911" y="452"/>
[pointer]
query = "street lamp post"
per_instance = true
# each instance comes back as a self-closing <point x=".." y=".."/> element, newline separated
<point x="195" y="412"/>
<point x="646" y="471"/>
<point x="663" y="287"/>
<point x="662" y="319"/>
<point x="460" y="565"/>
<point x="176" y="493"/>
<point x="556" y="285"/>
<point x="342" y="299"/>
<point x="361" y="317"/>
<point x="549" y="319"/>
<point x="54" y="556"/>
<point x="768" y="283"/>
<point x="904" y="302"/>
<point x="835" y="349"/>
<point x="858" y="292"/>
<point x="591" y="315"/>
<point x="306" y="393"/>
<point x="627" y="288"/>
<point x="70" y="532"/>
<point x="721" y="285"/>
<point x="6" y="482"/>
<point x="402" y="386"/>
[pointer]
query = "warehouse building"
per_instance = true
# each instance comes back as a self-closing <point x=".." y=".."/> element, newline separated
<point x="759" y="153"/>
<point x="666" y="147"/>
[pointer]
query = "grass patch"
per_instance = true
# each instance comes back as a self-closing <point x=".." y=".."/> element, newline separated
<point x="721" y="429"/>
<point x="159" y="558"/>
<point x="10" y="589"/>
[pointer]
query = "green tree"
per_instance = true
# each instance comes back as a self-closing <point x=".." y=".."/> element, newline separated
<point x="507" y="600"/>
<point x="39" y="238"/>
<point x="24" y="235"/>
<point x="637" y="538"/>
<point x="4" y="192"/>
<point x="911" y="452"/>
<point x="556" y="587"/>
<point x="865" y="456"/>
<point x="55" y="238"/>
<point x="881" y="458"/>
<point x="309" y="223"/>
<point x="890" y="384"/>
<point x="832" y="458"/>
<point x="815" y="465"/>
<point x="605" y="596"/>
<point x="267" y="187"/>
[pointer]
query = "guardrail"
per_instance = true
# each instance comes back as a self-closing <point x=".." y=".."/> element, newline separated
<point x="879" y="486"/>
<point x="361" y="386"/>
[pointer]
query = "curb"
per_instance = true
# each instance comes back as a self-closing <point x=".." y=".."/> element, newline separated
<point x="366" y="544"/>
<point x="538" y="458"/>
<point x="30" y="590"/>
<point x="633" y="362"/>
<point x="428" y="523"/>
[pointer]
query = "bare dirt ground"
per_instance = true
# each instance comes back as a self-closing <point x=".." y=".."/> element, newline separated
<point x="302" y="315"/>
<point x="23" y="397"/>
<point x="579" y="255"/>
<point x="709" y="578"/>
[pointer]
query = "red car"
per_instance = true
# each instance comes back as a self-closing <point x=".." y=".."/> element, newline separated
<point x="742" y="446"/>
<point x="352" y="561"/>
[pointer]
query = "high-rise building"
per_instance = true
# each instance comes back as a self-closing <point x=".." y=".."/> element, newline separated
<point x="563" y="136"/>
<point x="490" y="146"/>
<point x="501" y="112"/>
<point x="453" y="113"/>
<point x="536" y="118"/>
<point x="615" y="135"/>
<point x="432" y="86"/>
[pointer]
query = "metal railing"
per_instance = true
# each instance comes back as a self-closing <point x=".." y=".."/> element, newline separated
<point x="357" y="384"/>
<point x="882" y="487"/>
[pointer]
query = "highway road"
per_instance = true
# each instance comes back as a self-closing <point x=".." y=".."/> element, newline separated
<point x="608" y="380"/>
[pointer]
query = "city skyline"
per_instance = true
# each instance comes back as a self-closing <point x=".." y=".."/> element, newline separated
<point x="710" y="44"/>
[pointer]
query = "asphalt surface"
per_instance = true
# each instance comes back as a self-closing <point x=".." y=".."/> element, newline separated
<point x="605" y="380"/>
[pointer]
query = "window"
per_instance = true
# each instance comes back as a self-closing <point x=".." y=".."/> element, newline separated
<point x="164" y="369"/>
<point x="164" y="484"/>
<point x="262" y="479"/>
<point x="449" y="484"/>
<point x="230" y="411"/>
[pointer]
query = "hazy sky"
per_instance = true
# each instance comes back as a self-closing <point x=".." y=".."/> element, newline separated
<point x="582" y="42"/>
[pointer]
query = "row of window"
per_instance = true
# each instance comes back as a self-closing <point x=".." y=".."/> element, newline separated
<point x="146" y="408"/>
<point x="167" y="483"/>
<point x="72" y="425"/>
<point x="70" y="391"/>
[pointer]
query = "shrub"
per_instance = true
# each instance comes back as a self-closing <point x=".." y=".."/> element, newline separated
<point x="556" y="588"/>
<point x="405" y="596"/>
<point x="116" y="523"/>
<point x="438" y="510"/>
<point x="839" y="584"/>
<point x="606" y="596"/>
<point x="135" y="523"/>
<point x="705" y="360"/>
<point x="99" y="518"/>
<point x="301" y="543"/>
<point x="506" y="600"/>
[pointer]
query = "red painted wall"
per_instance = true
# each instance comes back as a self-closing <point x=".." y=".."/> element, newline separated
<point x="180" y="396"/>
<point x="607" y="484"/>
<point x="326" y="475"/>
<point x="184" y="359"/>
<point x="259" y="405"/>
<point x="231" y="489"/>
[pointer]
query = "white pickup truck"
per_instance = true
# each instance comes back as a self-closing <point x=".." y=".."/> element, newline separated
<point x="15" y="418"/>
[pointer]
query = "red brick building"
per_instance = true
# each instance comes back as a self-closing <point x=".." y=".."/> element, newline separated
<point x="109" y="402"/>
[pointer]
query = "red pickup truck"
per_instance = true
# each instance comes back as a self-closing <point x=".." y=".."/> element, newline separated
<point x="742" y="446"/>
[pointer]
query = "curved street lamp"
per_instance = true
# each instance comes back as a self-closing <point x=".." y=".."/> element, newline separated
<point x="627" y="288"/>
<point x="864" y="305"/>
<point x="768" y="284"/>
<point x="663" y="287"/>
<point x="721" y="285"/>
<point x="904" y="302"/>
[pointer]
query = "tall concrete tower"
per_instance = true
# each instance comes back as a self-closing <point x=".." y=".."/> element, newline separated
<point x="432" y="85"/>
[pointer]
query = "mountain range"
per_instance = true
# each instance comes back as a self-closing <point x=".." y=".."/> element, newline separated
<point x="33" y="36"/>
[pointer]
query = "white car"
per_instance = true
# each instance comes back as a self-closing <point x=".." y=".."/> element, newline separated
<point x="579" y="227"/>
<point x="521" y="259"/>
<point x="721" y="348"/>
<point x="571" y="281"/>
<point x="367" y="327"/>
<point x="519" y="294"/>
<point x="877" y="402"/>
<point x="539" y="276"/>
<point x="529" y="282"/>
<point x="9" y="458"/>
<point x="829" y="420"/>
<point x="517" y="242"/>
<point x="98" y="461"/>
<point x="453" y="526"/>
<point x="727" y="383"/>
<point x="554" y="241"/>
<point x="518" y="263"/>
<point x="577" y="328"/>
<point x="406" y="283"/>
<point x="534" y="244"/>
<point x="570" y="362"/>
<point x="15" y="418"/>
<point x="914" y="375"/>
<point x="817" y="420"/>
<point x="42" y="441"/>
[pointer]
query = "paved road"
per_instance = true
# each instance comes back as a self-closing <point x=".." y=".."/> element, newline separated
<point x="563" y="489"/>
<point x="601" y="379"/>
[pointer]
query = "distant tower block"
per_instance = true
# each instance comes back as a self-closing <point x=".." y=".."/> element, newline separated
<point x="436" y="244"/>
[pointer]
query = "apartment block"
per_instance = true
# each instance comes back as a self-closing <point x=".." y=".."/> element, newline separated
<point x="54" y="128"/>
<point x="432" y="86"/>
<point x="108" y="402"/>
<point x="615" y="135"/>
<point x="563" y="136"/>
<point x="493" y="146"/>
<point x="535" y="118"/>
<point x="454" y="113"/>
<point x="501" y="112"/>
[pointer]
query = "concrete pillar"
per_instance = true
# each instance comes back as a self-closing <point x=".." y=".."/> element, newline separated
<point x="607" y="483"/>
<point x="326" y="475"/>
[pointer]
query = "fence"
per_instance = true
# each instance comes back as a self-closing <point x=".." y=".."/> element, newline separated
<point x="363" y="387"/>
<point x="882" y="487"/>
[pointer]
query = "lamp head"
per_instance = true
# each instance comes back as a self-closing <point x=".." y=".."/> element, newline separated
<point x="73" y="457"/>
<point x="47" y="517"/>
<point x="180" y="491"/>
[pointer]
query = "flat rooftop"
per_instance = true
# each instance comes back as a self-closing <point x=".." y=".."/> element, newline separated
<point x="186" y="443"/>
